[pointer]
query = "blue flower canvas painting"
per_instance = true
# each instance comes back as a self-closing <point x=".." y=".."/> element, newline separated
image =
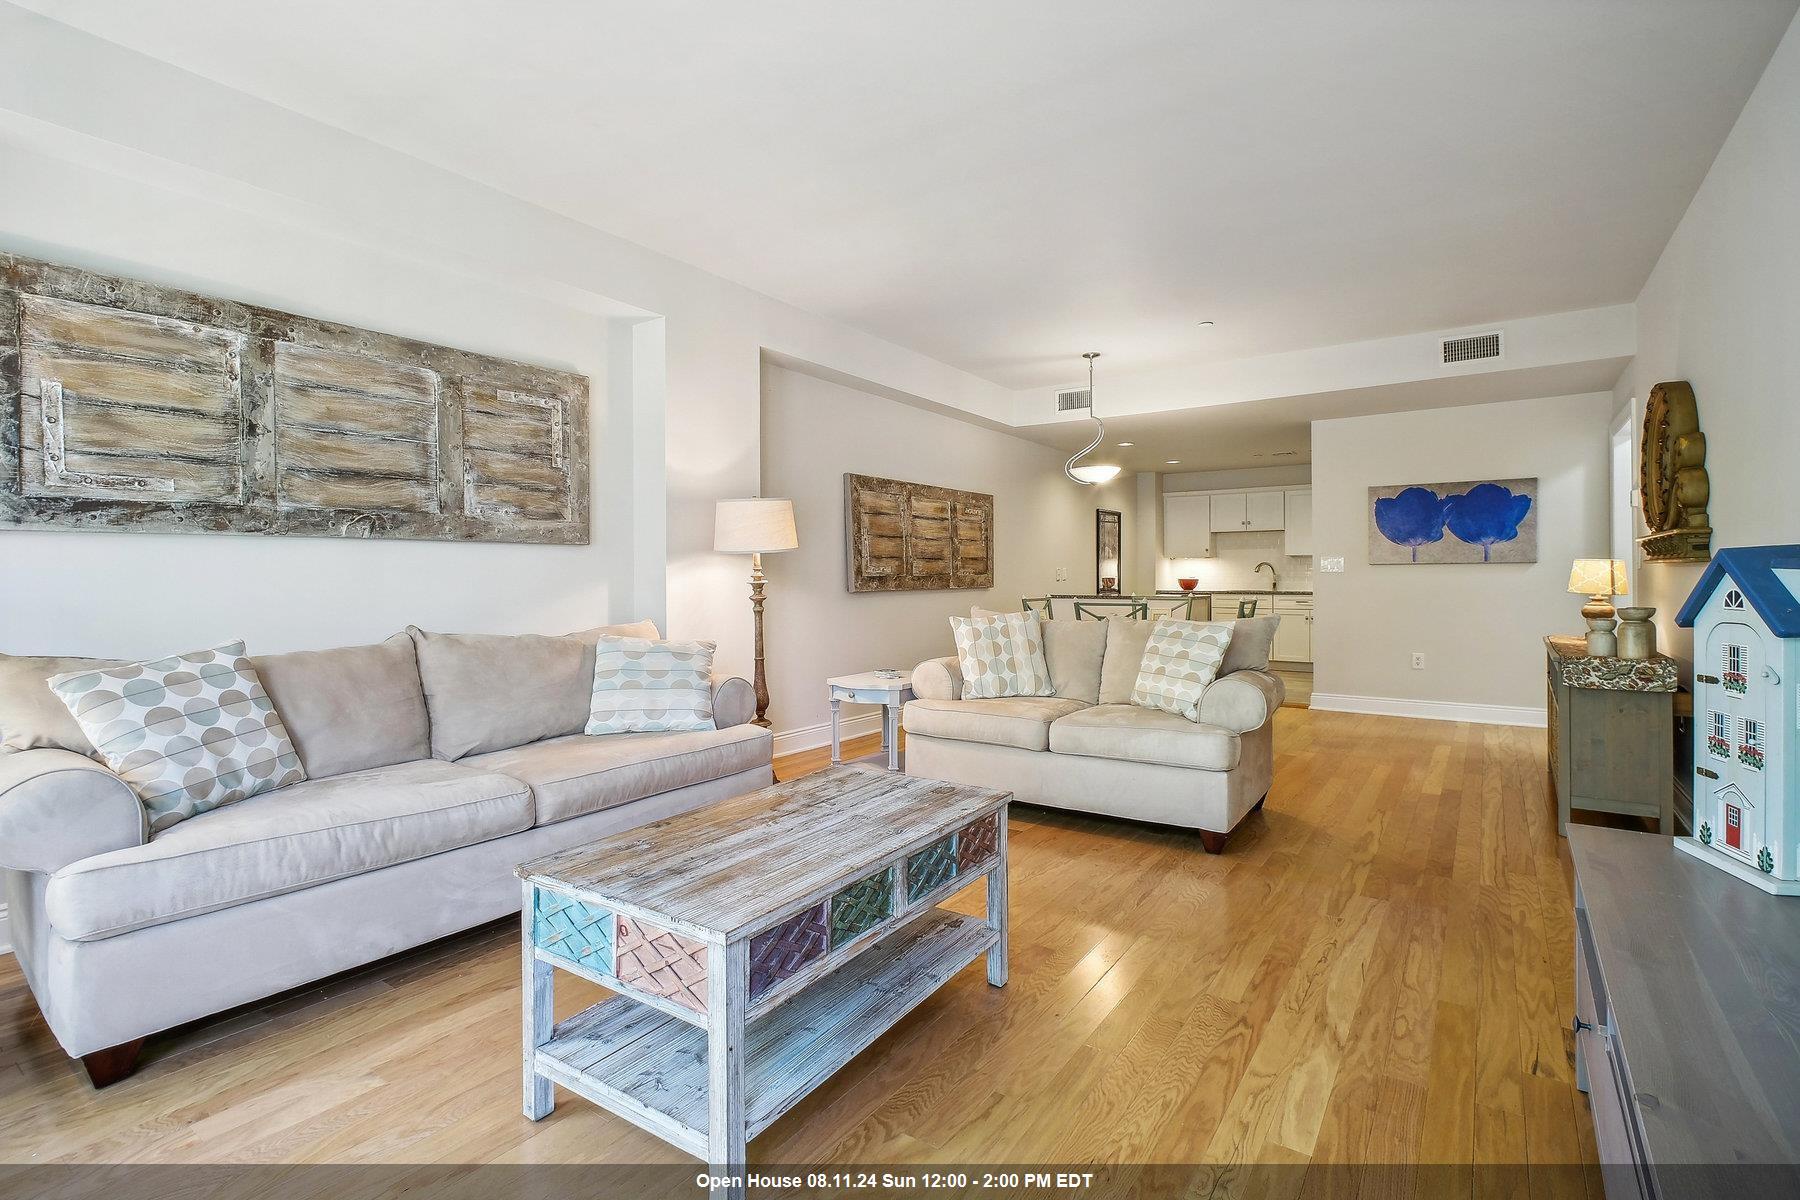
<point x="1486" y="521"/>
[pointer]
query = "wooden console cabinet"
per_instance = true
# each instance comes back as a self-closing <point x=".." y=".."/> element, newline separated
<point x="1687" y="995"/>
<point x="1612" y="733"/>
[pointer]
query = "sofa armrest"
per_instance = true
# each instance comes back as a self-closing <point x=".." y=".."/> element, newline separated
<point x="59" y="807"/>
<point x="734" y="701"/>
<point x="938" y="679"/>
<point x="1242" y="700"/>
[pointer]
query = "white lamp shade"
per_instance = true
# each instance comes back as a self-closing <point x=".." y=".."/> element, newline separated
<point x="1598" y="577"/>
<point x="1095" y="473"/>
<point x="756" y="526"/>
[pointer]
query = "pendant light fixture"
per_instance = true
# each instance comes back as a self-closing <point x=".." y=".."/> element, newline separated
<point x="1090" y="474"/>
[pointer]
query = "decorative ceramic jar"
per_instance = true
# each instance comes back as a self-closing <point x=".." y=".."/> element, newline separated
<point x="1637" y="636"/>
<point x="1602" y="642"/>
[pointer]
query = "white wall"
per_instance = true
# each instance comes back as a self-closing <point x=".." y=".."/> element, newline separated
<point x="814" y="431"/>
<point x="1480" y="626"/>
<point x="1721" y="310"/>
<point x="165" y="176"/>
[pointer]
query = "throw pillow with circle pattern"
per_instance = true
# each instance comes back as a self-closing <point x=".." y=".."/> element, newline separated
<point x="1002" y="655"/>
<point x="1180" y="659"/>
<point x="188" y="733"/>
<point x="646" y="686"/>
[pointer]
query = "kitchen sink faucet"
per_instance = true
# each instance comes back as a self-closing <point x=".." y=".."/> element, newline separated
<point x="1274" y="579"/>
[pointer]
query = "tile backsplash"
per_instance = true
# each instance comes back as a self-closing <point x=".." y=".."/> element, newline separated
<point x="1233" y="564"/>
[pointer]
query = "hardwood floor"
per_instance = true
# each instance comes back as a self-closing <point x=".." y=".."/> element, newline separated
<point x="1378" y="970"/>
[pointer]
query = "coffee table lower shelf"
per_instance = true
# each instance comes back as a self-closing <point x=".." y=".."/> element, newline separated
<point x="651" y="1068"/>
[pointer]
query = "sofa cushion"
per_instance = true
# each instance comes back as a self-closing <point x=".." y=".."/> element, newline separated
<point x="1002" y="656"/>
<point x="190" y="732"/>
<point x="570" y="776"/>
<point x="1180" y="659"/>
<point x="642" y="685"/>
<point x="31" y="715"/>
<point x="1072" y="650"/>
<point x="1126" y="638"/>
<point x="494" y="691"/>
<point x="1251" y="640"/>
<point x="1145" y="735"/>
<point x="295" y="838"/>
<point x="1022" y="721"/>
<point x="351" y="708"/>
<point x="1075" y="651"/>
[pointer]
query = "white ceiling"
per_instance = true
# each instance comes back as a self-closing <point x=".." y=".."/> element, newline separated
<point x="1272" y="433"/>
<point x="1004" y="184"/>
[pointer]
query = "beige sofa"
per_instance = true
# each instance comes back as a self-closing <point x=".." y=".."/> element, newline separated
<point x="435" y="763"/>
<point x="1087" y="748"/>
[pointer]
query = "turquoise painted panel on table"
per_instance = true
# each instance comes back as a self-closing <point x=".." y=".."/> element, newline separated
<point x="861" y="907"/>
<point x="930" y="868"/>
<point x="573" y="929"/>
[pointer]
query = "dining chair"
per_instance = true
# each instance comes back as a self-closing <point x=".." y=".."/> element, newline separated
<point x="1031" y="604"/>
<point x="1246" y="608"/>
<point x="1099" y="610"/>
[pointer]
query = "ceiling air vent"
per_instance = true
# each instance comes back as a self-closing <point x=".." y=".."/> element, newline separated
<point x="1472" y="348"/>
<point x="1074" y="398"/>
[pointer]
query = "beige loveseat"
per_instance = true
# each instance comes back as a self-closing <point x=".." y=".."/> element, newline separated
<point x="435" y="764"/>
<point x="1087" y="748"/>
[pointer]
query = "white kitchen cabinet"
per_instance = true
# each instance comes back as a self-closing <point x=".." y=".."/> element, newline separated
<point x="1229" y="512"/>
<point x="1299" y="522"/>
<point x="1187" y="526"/>
<point x="1264" y="510"/>
<point x="1293" y="637"/>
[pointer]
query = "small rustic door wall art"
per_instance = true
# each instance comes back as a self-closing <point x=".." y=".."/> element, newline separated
<point x="128" y="406"/>
<point x="912" y="537"/>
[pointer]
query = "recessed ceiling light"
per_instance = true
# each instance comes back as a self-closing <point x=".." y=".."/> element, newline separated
<point x="1204" y="324"/>
<point x="1171" y="462"/>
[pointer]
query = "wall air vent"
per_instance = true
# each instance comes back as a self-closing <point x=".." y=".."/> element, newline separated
<point x="1074" y="399"/>
<point x="1474" y="347"/>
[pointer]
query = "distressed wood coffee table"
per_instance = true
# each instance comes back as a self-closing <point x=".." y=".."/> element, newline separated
<point x="756" y="946"/>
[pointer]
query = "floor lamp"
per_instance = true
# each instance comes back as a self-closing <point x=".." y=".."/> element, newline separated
<point x="756" y="527"/>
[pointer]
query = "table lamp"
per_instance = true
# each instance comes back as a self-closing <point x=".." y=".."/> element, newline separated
<point x="756" y="527"/>
<point x="1599" y="579"/>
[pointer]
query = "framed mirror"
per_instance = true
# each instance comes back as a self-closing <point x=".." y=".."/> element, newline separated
<point x="1109" y="557"/>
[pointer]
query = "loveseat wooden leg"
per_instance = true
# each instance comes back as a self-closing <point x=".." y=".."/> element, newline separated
<point x="1259" y="803"/>
<point x="1214" y="842"/>
<point x="106" y="1067"/>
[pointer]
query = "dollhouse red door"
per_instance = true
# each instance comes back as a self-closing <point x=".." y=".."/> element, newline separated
<point x="1732" y="696"/>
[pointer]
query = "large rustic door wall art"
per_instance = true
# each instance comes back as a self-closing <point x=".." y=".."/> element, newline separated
<point x="128" y="406"/>
<point x="911" y="537"/>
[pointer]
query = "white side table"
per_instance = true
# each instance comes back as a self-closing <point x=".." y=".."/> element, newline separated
<point x="891" y="690"/>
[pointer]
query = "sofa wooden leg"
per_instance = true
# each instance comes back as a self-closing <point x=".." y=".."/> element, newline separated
<point x="107" y="1067"/>
<point x="1259" y="803"/>
<point x="1214" y="842"/>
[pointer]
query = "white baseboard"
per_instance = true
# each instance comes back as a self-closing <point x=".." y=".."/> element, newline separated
<point x="1431" y="710"/>
<point x="5" y="932"/>
<point x="811" y="737"/>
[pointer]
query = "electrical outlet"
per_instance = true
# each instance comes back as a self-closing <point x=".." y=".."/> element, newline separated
<point x="1334" y="566"/>
<point x="1418" y="660"/>
<point x="1062" y="574"/>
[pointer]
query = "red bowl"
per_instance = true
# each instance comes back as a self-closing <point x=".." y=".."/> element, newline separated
<point x="1188" y="585"/>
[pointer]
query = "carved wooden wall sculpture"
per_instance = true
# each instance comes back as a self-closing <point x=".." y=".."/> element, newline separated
<point x="910" y="537"/>
<point x="1672" y="477"/>
<point x="128" y="406"/>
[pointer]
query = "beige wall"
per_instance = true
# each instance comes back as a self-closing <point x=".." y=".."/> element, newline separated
<point x="1721" y="310"/>
<point x="1480" y="626"/>
<point x="813" y="432"/>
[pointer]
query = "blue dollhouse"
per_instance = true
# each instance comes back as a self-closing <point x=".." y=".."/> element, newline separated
<point x="1745" y="613"/>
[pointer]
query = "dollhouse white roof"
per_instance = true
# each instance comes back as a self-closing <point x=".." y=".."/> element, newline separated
<point x="1769" y="578"/>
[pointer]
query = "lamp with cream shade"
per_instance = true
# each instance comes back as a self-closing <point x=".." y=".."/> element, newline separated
<point x="756" y="526"/>
<point x="1599" y="579"/>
